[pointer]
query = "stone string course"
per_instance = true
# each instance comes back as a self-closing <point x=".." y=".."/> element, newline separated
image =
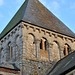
<point x="28" y="38"/>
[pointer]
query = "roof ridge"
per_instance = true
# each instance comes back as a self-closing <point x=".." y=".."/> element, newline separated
<point x="16" y="19"/>
<point x="26" y="1"/>
<point x="34" y="12"/>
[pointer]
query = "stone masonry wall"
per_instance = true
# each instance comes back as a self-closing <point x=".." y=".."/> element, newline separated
<point x="14" y="39"/>
<point x="55" y="40"/>
<point x="54" y="53"/>
<point x="4" y="71"/>
<point x="24" y="44"/>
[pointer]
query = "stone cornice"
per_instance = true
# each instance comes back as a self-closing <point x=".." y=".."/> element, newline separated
<point x="56" y="35"/>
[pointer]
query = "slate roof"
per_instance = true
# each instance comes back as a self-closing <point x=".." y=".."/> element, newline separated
<point x="15" y="20"/>
<point x="10" y="66"/>
<point x="32" y="11"/>
<point x="64" y="65"/>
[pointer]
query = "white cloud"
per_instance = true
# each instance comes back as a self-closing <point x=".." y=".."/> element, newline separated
<point x="1" y="2"/>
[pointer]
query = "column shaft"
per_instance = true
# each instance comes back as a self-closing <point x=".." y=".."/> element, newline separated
<point x="37" y="43"/>
<point x="50" y="52"/>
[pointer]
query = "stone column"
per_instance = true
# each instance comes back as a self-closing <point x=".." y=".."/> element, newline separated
<point x="62" y="53"/>
<point x="21" y="47"/>
<point x="11" y="53"/>
<point x="14" y="51"/>
<point x="50" y="52"/>
<point x="43" y="44"/>
<point x="5" y="52"/>
<point x="0" y="55"/>
<point x="66" y="50"/>
<point x="24" y="46"/>
<point x="37" y="45"/>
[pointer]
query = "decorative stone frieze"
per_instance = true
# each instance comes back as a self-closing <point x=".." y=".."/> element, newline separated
<point x="27" y="27"/>
<point x="50" y="34"/>
<point x="34" y="29"/>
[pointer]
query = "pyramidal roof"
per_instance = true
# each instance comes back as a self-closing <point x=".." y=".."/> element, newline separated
<point x="32" y="11"/>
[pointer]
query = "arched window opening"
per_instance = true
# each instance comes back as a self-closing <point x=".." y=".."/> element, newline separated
<point x="10" y="51"/>
<point x="31" y="52"/>
<point x="56" y="49"/>
<point x="17" y="38"/>
<point x="64" y="52"/>
<point x="17" y="52"/>
<point x="67" y="50"/>
<point x="2" y="55"/>
<point x="17" y="56"/>
<point x="41" y="44"/>
<point x="44" y="44"/>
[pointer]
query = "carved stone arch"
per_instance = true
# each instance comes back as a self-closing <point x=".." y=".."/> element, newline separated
<point x="44" y="44"/>
<point x="8" y="45"/>
<point x="16" y="37"/>
<point x="67" y="49"/>
<point x="31" y="52"/>
<point x="68" y="45"/>
<point x="56" y="51"/>
<point x="43" y="37"/>
<point x="58" y="43"/>
<point x="73" y="47"/>
<point x="1" y="48"/>
<point x="9" y="42"/>
<point x="32" y="35"/>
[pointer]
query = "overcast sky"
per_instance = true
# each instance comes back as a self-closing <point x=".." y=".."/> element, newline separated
<point x="63" y="9"/>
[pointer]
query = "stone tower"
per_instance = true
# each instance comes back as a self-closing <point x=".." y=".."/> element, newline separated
<point x="35" y="39"/>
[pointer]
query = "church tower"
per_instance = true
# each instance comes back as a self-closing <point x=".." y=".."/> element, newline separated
<point x="35" y="39"/>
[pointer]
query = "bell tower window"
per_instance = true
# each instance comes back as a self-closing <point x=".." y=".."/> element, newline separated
<point x="43" y="44"/>
<point x="67" y="50"/>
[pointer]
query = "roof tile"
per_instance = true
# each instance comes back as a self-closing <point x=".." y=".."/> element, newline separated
<point x="32" y="11"/>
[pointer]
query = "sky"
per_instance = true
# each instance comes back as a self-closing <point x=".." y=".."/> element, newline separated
<point x="62" y="9"/>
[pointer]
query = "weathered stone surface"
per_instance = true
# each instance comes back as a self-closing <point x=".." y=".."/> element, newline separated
<point x="25" y="44"/>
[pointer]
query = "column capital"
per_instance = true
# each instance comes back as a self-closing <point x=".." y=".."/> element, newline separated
<point x="14" y="44"/>
<point x="50" y="45"/>
<point x="37" y="40"/>
<point x="62" y="48"/>
<point x="22" y="26"/>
